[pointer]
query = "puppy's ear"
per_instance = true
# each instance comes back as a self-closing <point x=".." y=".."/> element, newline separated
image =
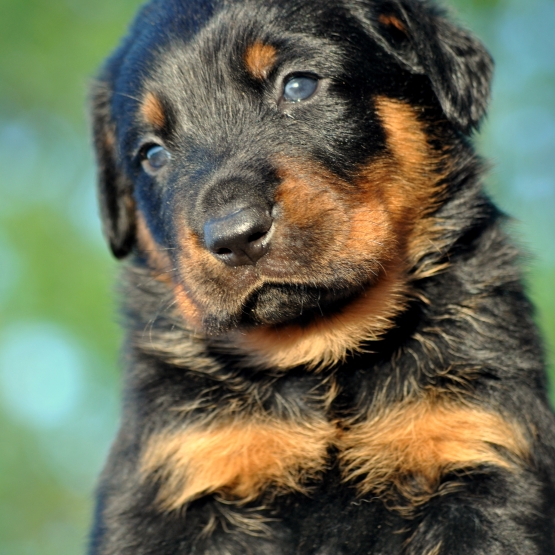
<point x="424" y="41"/>
<point x="117" y="207"/>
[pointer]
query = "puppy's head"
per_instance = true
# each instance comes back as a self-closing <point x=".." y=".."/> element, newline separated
<point x="278" y="164"/>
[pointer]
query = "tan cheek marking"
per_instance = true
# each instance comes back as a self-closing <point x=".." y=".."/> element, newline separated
<point x="162" y="265"/>
<point x="419" y="442"/>
<point x="239" y="459"/>
<point x="373" y="230"/>
<point x="327" y="341"/>
<point x="337" y="221"/>
<point x="384" y="219"/>
<point x="188" y="309"/>
<point x="415" y="187"/>
<point x="163" y="270"/>
<point x="312" y="211"/>
<point x="411" y="187"/>
<point x="207" y="280"/>
<point x="153" y="111"/>
<point x="303" y="203"/>
<point x="260" y="59"/>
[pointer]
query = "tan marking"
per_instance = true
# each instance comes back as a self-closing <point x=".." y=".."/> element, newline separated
<point x="325" y="219"/>
<point x="306" y="197"/>
<point x="340" y="223"/>
<point x="208" y="286"/>
<point x="238" y="459"/>
<point x="163" y="270"/>
<point x="188" y="309"/>
<point x="414" y="190"/>
<point x="412" y="445"/>
<point x="403" y="449"/>
<point x="260" y="59"/>
<point x="392" y="21"/>
<point x="153" y="111"/>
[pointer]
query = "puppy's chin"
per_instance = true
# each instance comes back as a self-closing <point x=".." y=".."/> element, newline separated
<point x="280" y="304"/>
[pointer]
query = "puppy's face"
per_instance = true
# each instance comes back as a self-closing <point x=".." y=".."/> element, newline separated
<point x="275" y="163"/>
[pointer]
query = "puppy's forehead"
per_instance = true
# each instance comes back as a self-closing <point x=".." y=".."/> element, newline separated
<point x="214" y="91"/>
<point x="231" y="36"/>
<point x="225" y="60"/>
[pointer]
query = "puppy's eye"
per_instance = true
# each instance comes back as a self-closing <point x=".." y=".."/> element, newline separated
<point x="154" y="158"/>
<point x="300" y="87"/>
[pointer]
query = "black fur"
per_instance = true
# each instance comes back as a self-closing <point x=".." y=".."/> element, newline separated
<point x="467" y="331"/>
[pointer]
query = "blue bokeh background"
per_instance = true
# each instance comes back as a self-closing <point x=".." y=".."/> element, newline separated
<point x="59" y="377"/>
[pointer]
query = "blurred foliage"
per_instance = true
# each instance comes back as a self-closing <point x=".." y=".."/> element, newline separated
<point x="55" y="267"/>
<point x="56" y="274"/>
<point x="51" y="49"/>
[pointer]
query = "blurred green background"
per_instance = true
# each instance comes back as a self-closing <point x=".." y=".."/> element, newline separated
<point x="59" y="376"/>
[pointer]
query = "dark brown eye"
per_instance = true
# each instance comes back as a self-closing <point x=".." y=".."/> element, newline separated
<point x="155" y="157"/>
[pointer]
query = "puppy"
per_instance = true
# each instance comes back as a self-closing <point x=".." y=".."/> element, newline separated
<point x="329" y="350"/>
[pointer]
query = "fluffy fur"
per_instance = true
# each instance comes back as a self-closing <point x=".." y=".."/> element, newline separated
<point x="329" y="350"/>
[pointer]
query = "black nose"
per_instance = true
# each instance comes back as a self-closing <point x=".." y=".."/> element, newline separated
<point x="240" y="237"/>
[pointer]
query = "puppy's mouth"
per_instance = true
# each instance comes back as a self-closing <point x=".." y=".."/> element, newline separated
<point x="282" y="304"/>
<point x="278" y="304"/>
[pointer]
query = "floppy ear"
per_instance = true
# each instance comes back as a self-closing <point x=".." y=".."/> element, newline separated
<point x="422" y="39"/>
<point x="117" y="207"/>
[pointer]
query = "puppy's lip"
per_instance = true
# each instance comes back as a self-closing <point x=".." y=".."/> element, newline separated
<point x="315" y="302"/>
<point x="325" y="294"/>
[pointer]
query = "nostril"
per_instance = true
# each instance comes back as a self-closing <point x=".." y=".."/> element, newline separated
<point x="223" y="251"/>
<point x="255" y="236"/>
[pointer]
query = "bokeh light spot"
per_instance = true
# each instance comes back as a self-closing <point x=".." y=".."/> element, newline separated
<point x="41" y="373"/>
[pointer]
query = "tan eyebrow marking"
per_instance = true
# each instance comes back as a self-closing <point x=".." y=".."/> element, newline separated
<point x="153" y="111"/>
<point x="260" y="59"/>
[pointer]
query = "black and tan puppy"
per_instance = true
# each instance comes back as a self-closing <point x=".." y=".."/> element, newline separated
<point x="329" y="351"/>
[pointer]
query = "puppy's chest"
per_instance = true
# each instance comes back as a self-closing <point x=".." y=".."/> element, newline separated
<point x="306" y="426"/>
